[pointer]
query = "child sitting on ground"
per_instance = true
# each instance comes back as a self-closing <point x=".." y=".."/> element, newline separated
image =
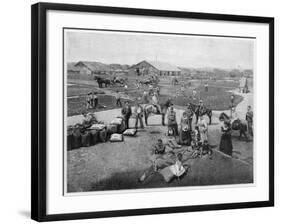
<point x="206" y="150"/>
<point x="177" y="169"/>
<point x="196" y="149"/>
<point x="159" y="148"/>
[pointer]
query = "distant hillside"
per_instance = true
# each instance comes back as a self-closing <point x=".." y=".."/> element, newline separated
<point x="215" y="72"/>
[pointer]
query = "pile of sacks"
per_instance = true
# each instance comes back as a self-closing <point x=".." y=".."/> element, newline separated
<point x="91" y="132"/>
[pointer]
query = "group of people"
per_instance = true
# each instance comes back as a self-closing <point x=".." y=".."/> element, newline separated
<point x="226" y="139"/>
<point x="186" y="133"/>
<point x="92" y="100"/>
<point x="127" y="112"/>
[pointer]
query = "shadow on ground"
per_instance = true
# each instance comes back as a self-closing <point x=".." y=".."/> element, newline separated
<point x="219" y="170"/>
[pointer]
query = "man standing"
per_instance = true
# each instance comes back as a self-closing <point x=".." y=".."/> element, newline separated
<point x="194" y="94"/>
<point x="199" y="110"/>
<point x="145" y="99"/>
<point x="206" y="87"/>
<point x="138" y="71"/>
<point x="138" y="111"/>
<point x="89" y="100"/>
<point x="125" y="88"/>
<point x="168" y="103"/>
<point x="249" y="119"/>
<point x="232" y="108"/>
<point x="118" y="99"/>
<point x="200" y="107"/>
<point x="127" y="112"/>
<point x="189" y="114"/>
<point x="158" y="90"/>
<point x="155" y="102"/>
<point x="96" y="100"/>
<point x="182" y="89"/>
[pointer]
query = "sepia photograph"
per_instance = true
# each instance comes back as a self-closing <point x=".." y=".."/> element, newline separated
<point x="146" y="110"/>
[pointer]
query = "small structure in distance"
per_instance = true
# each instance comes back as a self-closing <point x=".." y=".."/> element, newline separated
<point x="146" y="67"/>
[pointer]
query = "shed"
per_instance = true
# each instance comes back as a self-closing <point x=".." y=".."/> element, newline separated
<point x="72" y="69"/>
<point x="92" y="67"/>
<point x="157" y="67"/>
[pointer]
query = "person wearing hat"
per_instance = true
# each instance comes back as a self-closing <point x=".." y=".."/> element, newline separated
<point x="203" y="128"/>
<point x="184" y="130"/>
<point x="249" y="119"/>
<point x="155" y="102"/>
<point x="127" y="112"/>
<point x="199" y="109"/>
<point x="232" y="108"/>
<point x="194" y="93"/>
<point x="95" y="100"/>
<point x="226" y="141"/>
<point x="182" y="89"/>
<point x="118" y="99"/>
<point x="172" y="121"/>
<point x="206" y="86"/>
<point x="189" y="114"/>
<point x="89" y="100"/>
<point x="166" y="105"/>
<point x="200" y="104"/>
<point x="138" y="111"/>
<point x="145" y="99"/>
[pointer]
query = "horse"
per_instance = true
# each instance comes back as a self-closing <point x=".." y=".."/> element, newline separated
<point x="146" y="82"/>
<point x="102" y="81"/>
<point x="151" y="109"/>
<point x="236" y="125"/>
<point x="195" y="109"/>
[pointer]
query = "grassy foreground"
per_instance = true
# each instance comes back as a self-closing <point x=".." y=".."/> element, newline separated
<point x="217" y="97"/>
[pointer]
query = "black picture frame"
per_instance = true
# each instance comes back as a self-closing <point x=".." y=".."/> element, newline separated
<point x="38" y="116"/>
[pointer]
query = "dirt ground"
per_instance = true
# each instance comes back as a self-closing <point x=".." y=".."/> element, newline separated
<point x="111" y="166"/>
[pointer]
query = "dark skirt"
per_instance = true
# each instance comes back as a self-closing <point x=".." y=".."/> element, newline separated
<point x="226" y="144"/>
<point x="184" y="137"/>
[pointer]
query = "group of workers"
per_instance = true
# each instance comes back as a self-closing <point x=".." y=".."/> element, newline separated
<point x="91" y="100"/>
<point x="185" y="129"/>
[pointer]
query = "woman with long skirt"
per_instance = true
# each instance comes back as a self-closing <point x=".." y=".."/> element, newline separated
<point x="184" y="130"/>
<point x="203" y="128"/>
<point x="226" y="142"/>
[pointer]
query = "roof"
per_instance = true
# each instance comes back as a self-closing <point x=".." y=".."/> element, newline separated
<point x="118" y="67"/>
<point x="71" y="67"/>
<point x="94" y="66"/>
<point x="163" y="66"/>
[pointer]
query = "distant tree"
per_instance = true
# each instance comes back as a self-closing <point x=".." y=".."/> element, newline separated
<point x="235" y="73"/>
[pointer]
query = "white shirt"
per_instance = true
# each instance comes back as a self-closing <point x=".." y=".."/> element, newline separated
<point x="177" y="169"/>
<point x="155" y="99"/>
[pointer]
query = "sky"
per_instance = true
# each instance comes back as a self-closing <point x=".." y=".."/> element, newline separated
<point x="180" y="50"/>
